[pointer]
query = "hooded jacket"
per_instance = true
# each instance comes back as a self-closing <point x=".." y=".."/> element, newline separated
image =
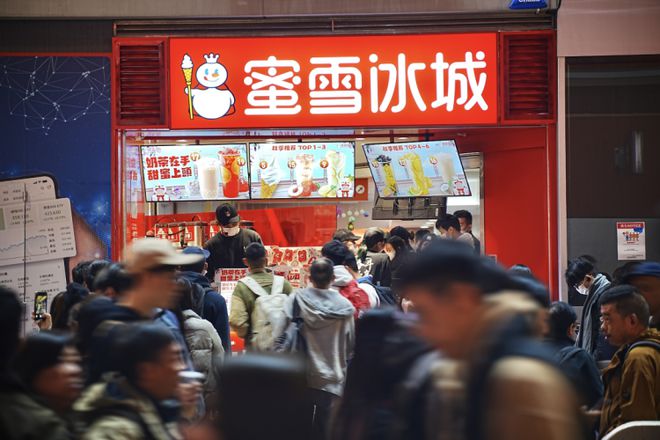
<point x="590" y="337"/>
<point x="329" y="332"/>
<point x="360" y="298"/>
<point x="632" y="384"/>
<point x="114" y="409"/>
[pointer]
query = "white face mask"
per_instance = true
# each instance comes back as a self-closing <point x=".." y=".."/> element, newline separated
<point x="582" y="290"/>
<point x="391" y="255"/>
<point x="230" y="232"/>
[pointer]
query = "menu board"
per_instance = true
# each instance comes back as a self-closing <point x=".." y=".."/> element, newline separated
<point x="302" y="170"/>
<point x="417" y="169"/>
<point x="195" y="172"/>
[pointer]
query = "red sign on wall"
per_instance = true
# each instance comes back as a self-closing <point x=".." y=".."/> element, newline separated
<point x="338" y="81"/>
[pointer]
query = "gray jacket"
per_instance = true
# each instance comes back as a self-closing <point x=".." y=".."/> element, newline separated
<point x="329" y="331"/>
<point x="205" y="347"/>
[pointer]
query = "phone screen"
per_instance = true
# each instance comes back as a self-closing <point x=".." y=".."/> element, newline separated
<point x="40" y="305"/>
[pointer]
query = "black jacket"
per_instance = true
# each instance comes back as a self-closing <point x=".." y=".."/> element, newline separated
<point x="377" y="264"/>
<point x="228" y="252"/>
<point x="580" y="368"/>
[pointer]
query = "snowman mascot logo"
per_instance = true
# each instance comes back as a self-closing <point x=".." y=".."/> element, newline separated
<point x="214" y="100"/>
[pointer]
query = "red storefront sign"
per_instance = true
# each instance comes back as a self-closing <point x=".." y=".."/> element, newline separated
<point x="338" y="81"/>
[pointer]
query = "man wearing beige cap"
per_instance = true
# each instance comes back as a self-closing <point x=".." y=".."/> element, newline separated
<point x="151" y="263"/>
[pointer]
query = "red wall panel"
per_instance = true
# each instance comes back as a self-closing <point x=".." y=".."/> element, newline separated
<point x="516" y="218"/>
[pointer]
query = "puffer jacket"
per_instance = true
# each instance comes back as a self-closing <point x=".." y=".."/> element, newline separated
<point x="632" y="384"/>
<point x="114" y="410"/>
<point x="205" y="348"/>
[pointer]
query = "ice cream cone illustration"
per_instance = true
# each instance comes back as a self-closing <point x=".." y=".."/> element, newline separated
<point x="269" y="176"/>
<point x="187" y="67"/>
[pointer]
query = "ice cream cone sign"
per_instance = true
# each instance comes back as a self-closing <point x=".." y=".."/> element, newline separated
<point x="211" y="99"/>
<point x="187" y="67"/>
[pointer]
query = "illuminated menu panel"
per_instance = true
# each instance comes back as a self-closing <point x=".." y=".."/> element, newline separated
<point x="195" y="172"/>
<point x="302" y="170"/>
<point x="417" y="169"/>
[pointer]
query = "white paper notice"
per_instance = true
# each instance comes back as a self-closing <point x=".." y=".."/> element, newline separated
<point x="631" y="240"/>
<point x="227" y="279"/>
<point x="49" y="232"/>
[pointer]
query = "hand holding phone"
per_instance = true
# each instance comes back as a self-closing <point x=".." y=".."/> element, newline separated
<point x="40" y="305"/>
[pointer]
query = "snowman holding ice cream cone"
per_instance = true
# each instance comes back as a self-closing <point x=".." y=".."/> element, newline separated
<point x="214" y="99"/>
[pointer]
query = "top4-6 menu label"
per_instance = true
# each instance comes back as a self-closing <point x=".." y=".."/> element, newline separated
<point x="47" y="232"/>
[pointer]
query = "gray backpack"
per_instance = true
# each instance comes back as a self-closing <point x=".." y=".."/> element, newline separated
<point x="268" y="317"/>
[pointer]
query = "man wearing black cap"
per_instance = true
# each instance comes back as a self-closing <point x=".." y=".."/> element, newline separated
<point x="348" y="238"/>
<point x="227" y="247"/>
<point x="646" y="278"/>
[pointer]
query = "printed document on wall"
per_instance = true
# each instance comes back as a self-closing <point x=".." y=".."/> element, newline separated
<point x="631" y="240"/>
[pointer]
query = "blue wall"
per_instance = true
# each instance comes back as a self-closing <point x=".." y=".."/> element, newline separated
<point x="55" y="118"/>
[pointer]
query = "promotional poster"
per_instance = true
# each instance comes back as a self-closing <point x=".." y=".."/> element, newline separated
<point x="302" y="170"/>
<point x="195" y="172"/>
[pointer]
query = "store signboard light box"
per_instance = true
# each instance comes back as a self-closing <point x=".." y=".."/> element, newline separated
<point x="333" y="81"/>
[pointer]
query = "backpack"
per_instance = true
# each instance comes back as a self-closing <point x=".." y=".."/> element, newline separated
<point x="385" y="294"/>
<point x="199" y="293"/>
<point x="268" y="317"/>
<point x="292" y="339"/>
<point x="356" y="296"/>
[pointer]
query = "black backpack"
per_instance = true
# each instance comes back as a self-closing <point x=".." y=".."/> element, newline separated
<point x="385" y="294"/>
<point x="199" y="293"/>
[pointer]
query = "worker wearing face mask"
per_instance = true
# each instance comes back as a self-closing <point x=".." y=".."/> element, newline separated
<point x="227" y="247"/>
<point x="582" y="275"/>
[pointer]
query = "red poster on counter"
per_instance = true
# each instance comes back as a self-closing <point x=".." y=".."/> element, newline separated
<point x="333" y="81"/>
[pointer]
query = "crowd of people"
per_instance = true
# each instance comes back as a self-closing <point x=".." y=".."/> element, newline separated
<point x="397" y="335"/>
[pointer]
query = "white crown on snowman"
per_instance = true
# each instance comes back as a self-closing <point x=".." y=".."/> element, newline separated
<point x="212" y="58"/>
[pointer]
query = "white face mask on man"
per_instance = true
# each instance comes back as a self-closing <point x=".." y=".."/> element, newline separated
<point x="582" y="290"/>
<point x="230" y="232"/>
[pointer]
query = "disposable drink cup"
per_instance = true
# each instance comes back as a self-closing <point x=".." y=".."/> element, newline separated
<point x="231" y="173"/>
<point x="447" y="169"/>
<point x="191" y="376"/>
<point x="208" y="177"/>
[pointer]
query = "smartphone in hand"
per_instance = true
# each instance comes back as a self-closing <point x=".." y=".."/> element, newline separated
<point x="40" y="305"/>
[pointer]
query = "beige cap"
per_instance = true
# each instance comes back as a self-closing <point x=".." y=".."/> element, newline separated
<point x="149" y="253"/>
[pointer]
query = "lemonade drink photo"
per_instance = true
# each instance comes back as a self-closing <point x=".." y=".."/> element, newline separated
<point x="421" y="183"/>
<point x="230" y="163"/>
<point x="391" y="187"/>
<point x="208" y="177"/>
<point x="336" y="162"/>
